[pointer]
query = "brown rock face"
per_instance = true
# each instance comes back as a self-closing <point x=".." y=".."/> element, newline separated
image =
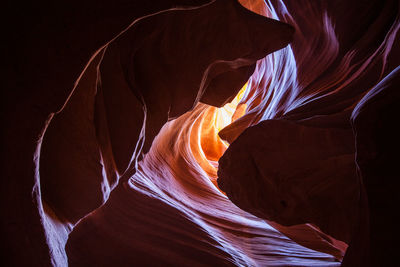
<point x="111" y="150"/>
<point x="119" y="106"/>
<point x="299" y="161"/>
<point x="128" y="90"/>
<point x="377" y="143"/>
<point x="293" y="174"/>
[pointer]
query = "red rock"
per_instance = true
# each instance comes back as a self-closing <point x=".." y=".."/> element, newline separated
<point x="293" y="174"/>
<point x="118" y="107"/>
<point x="171" y="211"/>
<point x="377" y="144"/>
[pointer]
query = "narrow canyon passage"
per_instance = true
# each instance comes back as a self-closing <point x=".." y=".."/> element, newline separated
<point x="202" y="133"/>
<point x="171" y="212"/>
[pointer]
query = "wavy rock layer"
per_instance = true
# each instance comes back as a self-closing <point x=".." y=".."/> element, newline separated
<point x="171" y="207"/>
<point x="122" y="107"/>
<point x="299" y="158"/>
<point x="80" y="190"/>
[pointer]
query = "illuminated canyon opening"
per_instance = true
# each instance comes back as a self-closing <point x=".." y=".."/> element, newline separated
<point x="202" y="133"/>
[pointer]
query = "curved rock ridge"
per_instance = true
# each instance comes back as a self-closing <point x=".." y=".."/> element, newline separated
<point x="182" y="176"/>
<point x="153" y="71"/>
<point x="300" y="157"/>
<point x="122" y="106"/>
<point x="134" y="167"/>
<point x="171" y="207"/>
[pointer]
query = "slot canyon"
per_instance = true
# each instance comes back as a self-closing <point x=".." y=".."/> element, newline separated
<point x="200" y="133"/>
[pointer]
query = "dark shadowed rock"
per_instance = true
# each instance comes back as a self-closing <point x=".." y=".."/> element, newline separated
<point x="142" y="78"/>
<point x="377" y="146"/>
<point x="293" y="174"/>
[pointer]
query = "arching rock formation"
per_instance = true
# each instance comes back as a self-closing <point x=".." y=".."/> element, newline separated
<point x="139" y="81"/>
<point x="136" y="82"/>
<point x="329" y="161"/>
<point x="110" y="158"/>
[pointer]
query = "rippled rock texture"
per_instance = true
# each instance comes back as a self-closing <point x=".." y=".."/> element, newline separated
<point x="304" y="162"/>
<point x="137" y="134"/>
<point x="139" y="81"/>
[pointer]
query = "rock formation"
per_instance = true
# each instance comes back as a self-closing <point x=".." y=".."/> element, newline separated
<point x="124" y="143"/>
<point x="300" y="161"/>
